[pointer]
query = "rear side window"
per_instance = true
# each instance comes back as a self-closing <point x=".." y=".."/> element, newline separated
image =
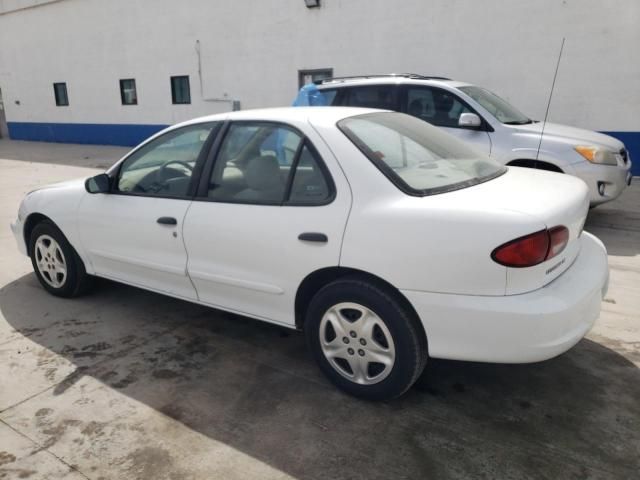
<point x="374" y="96"/>
<point x="309" y="185"/>
<point x="418" y="158"/>
<point x="268" y="164"/>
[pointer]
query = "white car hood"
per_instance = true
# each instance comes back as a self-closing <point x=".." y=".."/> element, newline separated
<point x="576" y="136"/>
<point x="75" y="184"/>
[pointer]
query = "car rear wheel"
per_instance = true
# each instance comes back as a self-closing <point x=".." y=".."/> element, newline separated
<point x="364" y="339"/>
<point x="56" y="264"/>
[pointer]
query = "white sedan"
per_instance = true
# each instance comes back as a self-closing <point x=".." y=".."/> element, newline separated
<point x="385" y="239"/>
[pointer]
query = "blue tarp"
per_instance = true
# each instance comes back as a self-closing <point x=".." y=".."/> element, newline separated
<point x="310" y="96"/>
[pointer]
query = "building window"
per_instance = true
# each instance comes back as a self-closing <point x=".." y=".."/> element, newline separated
<point x="60" y="92"/>
<point x="180" y="91"/>
<point x="128" y="93"/>
<point x="309" y="76"/>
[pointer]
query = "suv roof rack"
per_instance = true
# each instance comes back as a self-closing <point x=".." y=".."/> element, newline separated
<point x="414" y="76"/>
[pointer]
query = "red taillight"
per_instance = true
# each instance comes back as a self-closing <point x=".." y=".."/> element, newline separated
<point x="532" y="249"/>
<point x="558" y="239"/>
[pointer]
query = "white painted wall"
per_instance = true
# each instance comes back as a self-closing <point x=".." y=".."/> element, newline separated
<point x="14" y="5"/>
<point x="253" y="49"/>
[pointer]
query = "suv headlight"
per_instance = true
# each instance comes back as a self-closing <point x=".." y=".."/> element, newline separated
<point x="597" y="155"/>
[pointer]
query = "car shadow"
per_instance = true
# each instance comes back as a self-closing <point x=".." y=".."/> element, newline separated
<point x="253" y="387"/>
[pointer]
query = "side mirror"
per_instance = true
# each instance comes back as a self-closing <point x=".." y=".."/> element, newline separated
<point x="469" y="120"/>
<point x="98" y="184"/>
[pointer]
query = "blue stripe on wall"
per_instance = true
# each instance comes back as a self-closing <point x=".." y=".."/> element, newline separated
<point x="631" y="140"/>
<point x="92" y="133"/>
<point x="132" y="134"/>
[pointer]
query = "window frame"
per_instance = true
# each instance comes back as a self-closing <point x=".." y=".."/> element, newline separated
<point x="174" y="91"/>
<point x="404" y="97"/>
<point x="311" y="71"/>
<point x="114" y="173"/>
<point x="59" y="103"/>
<point x="202" y="193"/>
<point x="122" y="95"/>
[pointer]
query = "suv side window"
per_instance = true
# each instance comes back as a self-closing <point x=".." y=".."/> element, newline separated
<point x="435" y="105"/>
<point x="267" y="164"/>
<point x="163" y="167"/>
<point x="373" y="96"/>
<point x="329" y="96"/>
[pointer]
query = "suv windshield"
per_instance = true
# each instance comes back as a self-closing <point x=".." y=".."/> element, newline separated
<point x="498" y="107"/>
<point x="418" y="158"/>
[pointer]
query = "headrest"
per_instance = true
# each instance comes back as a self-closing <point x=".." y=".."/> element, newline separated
<point x="263" y="173"/>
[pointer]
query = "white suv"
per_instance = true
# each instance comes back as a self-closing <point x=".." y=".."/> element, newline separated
<point x="492" y="125"/>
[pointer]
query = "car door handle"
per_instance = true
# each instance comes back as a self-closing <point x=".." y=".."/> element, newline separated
<point x="167" y="221"/>
<point x="313" y="237"/>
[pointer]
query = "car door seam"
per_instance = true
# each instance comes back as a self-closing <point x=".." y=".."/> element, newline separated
<point x="346" y="178"/>
<point x="186" y="250"/>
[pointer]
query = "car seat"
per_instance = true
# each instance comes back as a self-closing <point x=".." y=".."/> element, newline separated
<point x="264" y="182"/>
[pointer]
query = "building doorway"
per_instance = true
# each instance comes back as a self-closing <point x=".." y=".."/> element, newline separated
<point x="4" y="129"/>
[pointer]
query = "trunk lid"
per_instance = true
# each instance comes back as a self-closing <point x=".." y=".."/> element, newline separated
<point x="549" y="199"/>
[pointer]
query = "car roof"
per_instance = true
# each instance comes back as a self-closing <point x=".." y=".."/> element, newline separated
<point x="285" y="114"/>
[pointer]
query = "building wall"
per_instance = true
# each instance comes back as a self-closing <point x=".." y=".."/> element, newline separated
<point x="251" y="51"/>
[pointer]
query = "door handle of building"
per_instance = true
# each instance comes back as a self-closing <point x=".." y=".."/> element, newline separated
<point x="313" y="237"/>
<point x="167" y="221"/>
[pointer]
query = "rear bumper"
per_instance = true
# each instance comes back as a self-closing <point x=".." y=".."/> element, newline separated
<point x="522" y="328"/>
<point x="613" y="179"/>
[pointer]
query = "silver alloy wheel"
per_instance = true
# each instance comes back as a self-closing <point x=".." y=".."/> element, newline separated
<point x="50" y="261"/>
<point x="357" y="343"/>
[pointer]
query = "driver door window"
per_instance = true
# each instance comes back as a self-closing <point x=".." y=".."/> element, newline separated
<point x="164" y="167"/>
<point x="436" y="106"/>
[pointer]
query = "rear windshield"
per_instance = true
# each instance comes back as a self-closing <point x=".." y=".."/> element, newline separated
<point x="418" y="158"/>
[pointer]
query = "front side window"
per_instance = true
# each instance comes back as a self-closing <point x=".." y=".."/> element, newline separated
<point x="435" y="105"/>
<point x="164" y="166"/>
<point x="496" y="106"/>
<point x="180" y="90"/>
<point x="416" y="157"/>
<point x="60" y="94"/>
<point x="267" y="164"/>
<point x="128" y="92"/>
<point x="374" y="96"/>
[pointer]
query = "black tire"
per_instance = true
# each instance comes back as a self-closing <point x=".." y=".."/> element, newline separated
<point x="401" y="323"/>
<point x="76" y="281"/>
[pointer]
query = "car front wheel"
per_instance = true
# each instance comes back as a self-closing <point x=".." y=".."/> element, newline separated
<point x="364" y="339"/>
<point x="55" y="262"/>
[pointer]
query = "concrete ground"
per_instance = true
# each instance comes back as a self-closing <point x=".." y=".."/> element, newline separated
<point x="128" y="384"/>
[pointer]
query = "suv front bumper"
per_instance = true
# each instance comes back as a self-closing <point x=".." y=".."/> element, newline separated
<point x="613" y="179"/>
